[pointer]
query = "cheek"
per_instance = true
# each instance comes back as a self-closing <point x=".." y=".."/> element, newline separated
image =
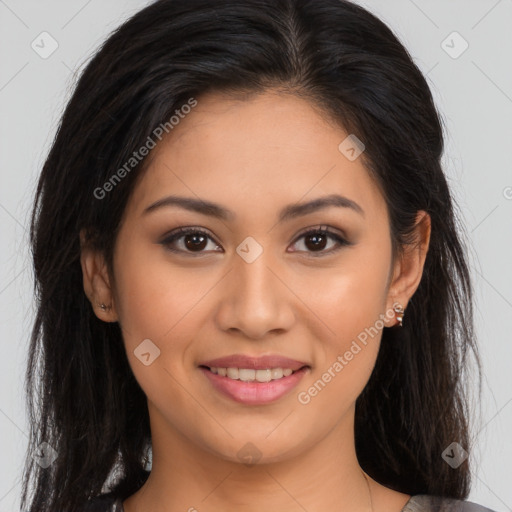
<point x="350" y="297"/>
<point x="159" y="303"/>
<point x="351" y="307"/>
<point x="152" y="294"/>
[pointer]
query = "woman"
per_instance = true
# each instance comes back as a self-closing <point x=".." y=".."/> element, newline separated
<point x="252" y="293"/>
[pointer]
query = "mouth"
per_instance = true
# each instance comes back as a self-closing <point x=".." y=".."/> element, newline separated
<point x="253" y="375"/>
<point x="252" y="386"/>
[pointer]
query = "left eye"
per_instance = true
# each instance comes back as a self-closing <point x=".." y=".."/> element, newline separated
<point x="316" y="240"/>
<point x="195" y="240"/>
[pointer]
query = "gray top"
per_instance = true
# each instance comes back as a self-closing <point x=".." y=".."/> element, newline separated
<point x="429" y="503"/>
<point x="417" y="503"/>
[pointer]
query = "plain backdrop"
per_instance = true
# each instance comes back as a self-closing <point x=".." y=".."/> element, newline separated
<point x="464" y="47"/>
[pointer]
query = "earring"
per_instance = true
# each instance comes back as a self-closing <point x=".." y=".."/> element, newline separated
<point x="104" y="307"/>
<point x="399" y="310"/>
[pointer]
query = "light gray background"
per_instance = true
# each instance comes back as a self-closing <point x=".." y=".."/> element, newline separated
<point x="473" y="93"/>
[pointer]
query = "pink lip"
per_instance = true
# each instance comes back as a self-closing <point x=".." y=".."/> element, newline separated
<point x="254" y="363"/>
<point x="254" y="393"/>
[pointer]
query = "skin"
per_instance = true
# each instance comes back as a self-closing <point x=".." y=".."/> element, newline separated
<point x="254" y="156"/>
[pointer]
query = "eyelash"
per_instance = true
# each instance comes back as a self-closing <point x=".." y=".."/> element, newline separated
<point x="322" y="230"/>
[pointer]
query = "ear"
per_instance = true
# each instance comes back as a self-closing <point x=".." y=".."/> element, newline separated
<point x="408" y="268"/>
<point x="96" y="280"/>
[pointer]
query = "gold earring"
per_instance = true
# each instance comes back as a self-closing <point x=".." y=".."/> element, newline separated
<point x="399" y="310"/>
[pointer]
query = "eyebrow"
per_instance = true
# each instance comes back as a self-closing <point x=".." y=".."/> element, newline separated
<point x="287" y="213"/>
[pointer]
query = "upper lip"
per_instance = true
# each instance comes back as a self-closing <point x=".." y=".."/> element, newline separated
<point x="256" y="363"/>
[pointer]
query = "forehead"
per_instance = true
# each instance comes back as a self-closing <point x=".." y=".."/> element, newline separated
<point x="244" y="153"/>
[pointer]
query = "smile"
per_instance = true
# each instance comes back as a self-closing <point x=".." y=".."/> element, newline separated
<point x="254" y="387"/>
<point x="250" y="375"/>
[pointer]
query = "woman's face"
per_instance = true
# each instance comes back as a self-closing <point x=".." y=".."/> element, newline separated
<point x="250" y="283"/>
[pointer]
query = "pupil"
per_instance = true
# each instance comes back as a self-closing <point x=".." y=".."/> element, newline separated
<point x="195" y="245"/>
<point x="316" y="237"/>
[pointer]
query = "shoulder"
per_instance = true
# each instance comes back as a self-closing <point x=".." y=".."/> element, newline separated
<point x="431" y="503"/>
<point x="104" y="503"/>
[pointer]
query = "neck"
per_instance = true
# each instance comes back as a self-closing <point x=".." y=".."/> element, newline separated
<point x="184" y="476"/>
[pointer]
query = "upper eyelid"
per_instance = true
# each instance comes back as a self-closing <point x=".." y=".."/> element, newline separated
<point x="322" y="227"/>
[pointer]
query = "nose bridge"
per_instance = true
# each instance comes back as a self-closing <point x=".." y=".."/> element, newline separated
<point x="256" y="301"/>
<point x="251" y="263"/>
<point x="254" y="282"/>
<point x="254" y="278"/>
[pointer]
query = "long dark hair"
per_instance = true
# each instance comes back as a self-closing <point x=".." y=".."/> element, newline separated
<point x="83" y="399"/>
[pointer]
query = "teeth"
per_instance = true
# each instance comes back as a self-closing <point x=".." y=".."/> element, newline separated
<point x="249" y="375"/>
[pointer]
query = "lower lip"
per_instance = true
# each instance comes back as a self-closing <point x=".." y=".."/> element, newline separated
<point x="254" y="393"/>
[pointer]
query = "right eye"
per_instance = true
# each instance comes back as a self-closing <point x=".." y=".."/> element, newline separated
<point x="194" y="240"/>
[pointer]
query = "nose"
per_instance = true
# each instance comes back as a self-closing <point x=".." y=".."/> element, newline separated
<point x="256" y="299"/>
